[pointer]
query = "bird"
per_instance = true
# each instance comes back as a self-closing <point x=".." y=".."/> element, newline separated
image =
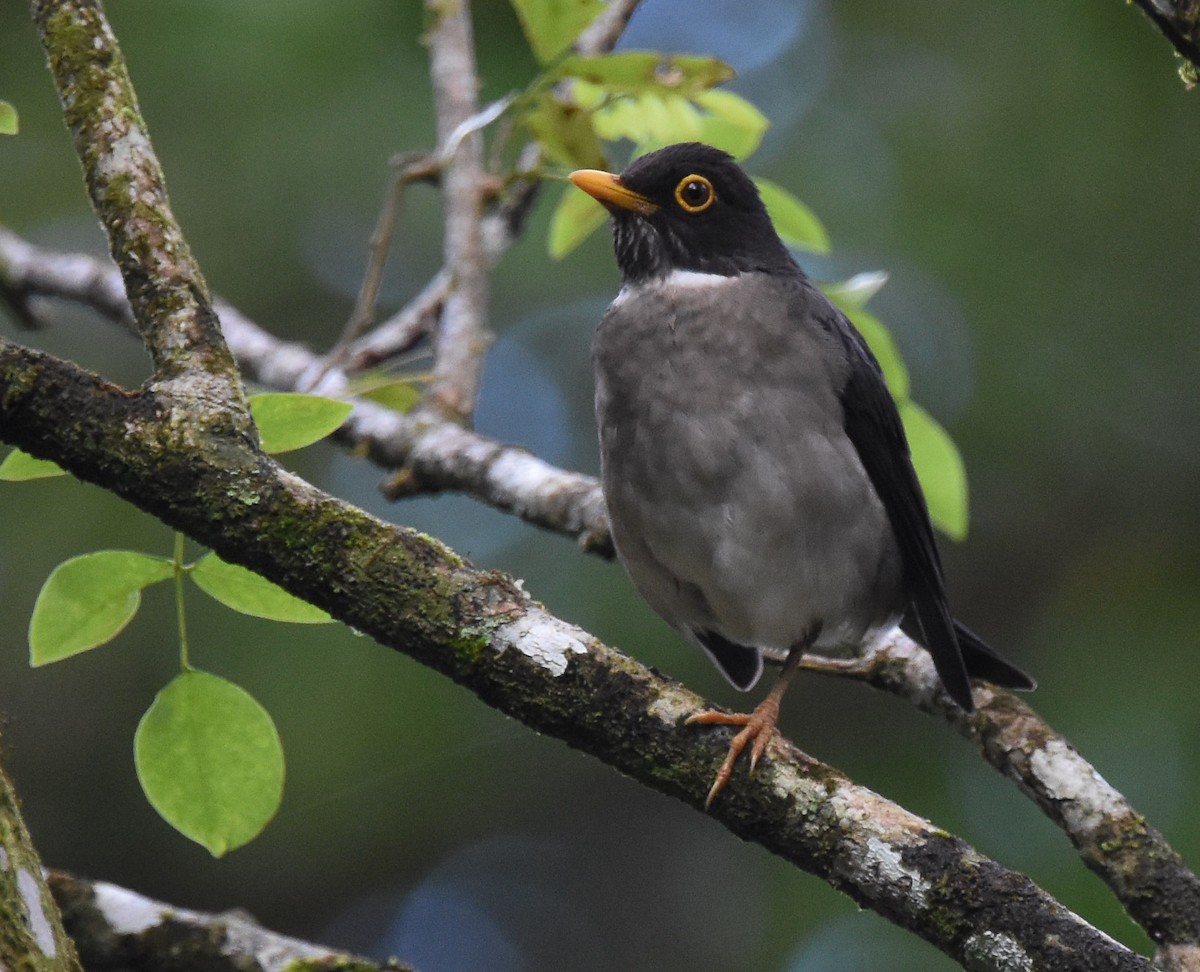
<point x="758" y="481"/>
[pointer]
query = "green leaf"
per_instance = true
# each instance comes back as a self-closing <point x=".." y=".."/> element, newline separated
<point x="638" y="72"/>
<point x="793" y="220"/>
<point x="565" y="133"/>
<point x="730" y="123"/>
<point x="210" y="761"/>
<point x="247" y="592"/>
<point x="287" y="420"/>
<point x="8" y="119"/>
<point x="20" y="467"/>
<point x="88" y="600"/>
<point x="551" y="26"/>
<point x="940" y="469"/>
<point x="575" y="218"/>
<point x="652" y="120"/>
<point x="401" y="395"/>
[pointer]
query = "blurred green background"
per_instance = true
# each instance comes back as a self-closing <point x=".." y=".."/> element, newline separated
<point x="1027" y="173"/>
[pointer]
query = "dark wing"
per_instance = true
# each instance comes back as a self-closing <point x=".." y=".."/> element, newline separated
<point x="740" y="664"/>
<point x="873" y="426"/>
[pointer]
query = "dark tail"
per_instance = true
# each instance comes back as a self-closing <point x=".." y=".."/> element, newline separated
<point x="984" y="662"/>
<point x="979" y="658"/>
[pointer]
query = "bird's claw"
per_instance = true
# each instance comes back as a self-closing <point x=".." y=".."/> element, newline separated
<point x="758" y="727"/>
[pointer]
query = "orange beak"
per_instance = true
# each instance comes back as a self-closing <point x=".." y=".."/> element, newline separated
<point x="608" y="189"/>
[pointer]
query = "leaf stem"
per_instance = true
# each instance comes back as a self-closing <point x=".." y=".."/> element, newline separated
<point x="180" y="613"/>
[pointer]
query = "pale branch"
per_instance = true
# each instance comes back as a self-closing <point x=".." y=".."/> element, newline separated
<point x="480" y="628"/>
<point x="604" y="32"/>
<point x="1152" y="882"/>
<point x="32" y="936"/>
<point x="116" y="928"/>
<point x="1179" y="22"/>
<point x="171" y="307"/>
<point x="403" y="330"/>
<point x="433" y="454"/>
<point x="463" y="335"/>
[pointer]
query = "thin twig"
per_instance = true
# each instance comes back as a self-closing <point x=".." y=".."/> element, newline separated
<point x="404" y="171"/>
<point x="400" y="332"/>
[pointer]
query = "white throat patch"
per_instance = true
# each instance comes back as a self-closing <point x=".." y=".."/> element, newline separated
<point x="675" y="281"/>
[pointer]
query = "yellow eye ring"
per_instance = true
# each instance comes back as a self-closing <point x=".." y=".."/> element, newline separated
<point x="695" y="194"/>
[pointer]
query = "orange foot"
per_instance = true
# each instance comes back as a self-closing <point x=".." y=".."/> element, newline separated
<point x="759" y="727"/>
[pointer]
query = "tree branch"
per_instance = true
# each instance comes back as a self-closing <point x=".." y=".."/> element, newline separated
<point x="411" y="593"/>
<point x="1179" y="22"/>
<point x="31" y="928"/>
<point x="118" y="928"/>
<point x="437" y="454"/>
<point x="463" y="335"/>
<point x="171" y="306"/>
<point x="1144" y="872"/>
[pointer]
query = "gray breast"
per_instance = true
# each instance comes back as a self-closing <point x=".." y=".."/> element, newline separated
<point x="738" y="504"/>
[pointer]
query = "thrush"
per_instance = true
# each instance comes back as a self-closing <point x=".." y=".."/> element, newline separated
<point x="757" y="476"/>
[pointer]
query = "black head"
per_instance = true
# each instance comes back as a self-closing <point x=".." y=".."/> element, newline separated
<point x="686" y="207"/>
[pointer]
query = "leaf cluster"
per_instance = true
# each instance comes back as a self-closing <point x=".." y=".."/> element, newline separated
<point x="208" y="755"/>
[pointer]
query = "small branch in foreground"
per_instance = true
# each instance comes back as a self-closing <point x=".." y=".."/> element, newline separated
<point x="402" y="331"/>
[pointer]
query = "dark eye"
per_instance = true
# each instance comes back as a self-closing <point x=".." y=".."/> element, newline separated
<point x="695" y="194"/>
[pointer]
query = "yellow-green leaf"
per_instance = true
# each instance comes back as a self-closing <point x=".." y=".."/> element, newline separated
<point x="730" y="123"/>
<point x="210" y="761"/>
<point x="8" y="119"/>
<point x="400" y="395"/>
<point x="287" y="420"/>
<point x="20" y="467"/>
<point x="551" y="26"/>
<point x="940" y="469"/>
<point x="794" y="221"/>
<point x="653" y="120"/>
<point x="637" y="72"/>
<point x="88" y="600"/>
<point x="575" y="218"/>
<point x="565" y="133"/>
<point x="247" y="592"/>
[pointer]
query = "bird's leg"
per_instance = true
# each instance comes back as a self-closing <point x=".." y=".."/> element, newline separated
<point x="759" y="725"/>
